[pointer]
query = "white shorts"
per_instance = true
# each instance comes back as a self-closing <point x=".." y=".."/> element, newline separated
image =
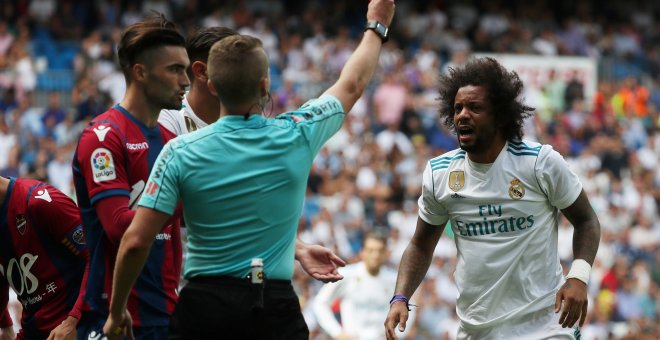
<point x="543" y="324"/>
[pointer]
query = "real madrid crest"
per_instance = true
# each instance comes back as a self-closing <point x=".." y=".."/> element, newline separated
<point x="21" y="223"/>
<point x="516" y="190"/>
<point x="456" y="180"/>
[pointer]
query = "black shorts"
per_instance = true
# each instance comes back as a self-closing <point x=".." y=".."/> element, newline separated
<point x="229" y="308"/>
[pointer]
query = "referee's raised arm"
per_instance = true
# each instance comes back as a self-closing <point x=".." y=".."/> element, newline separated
<point x="360" y="67"/>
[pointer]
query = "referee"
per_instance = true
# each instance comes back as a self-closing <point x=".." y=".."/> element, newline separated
<point x="242" y="182"/>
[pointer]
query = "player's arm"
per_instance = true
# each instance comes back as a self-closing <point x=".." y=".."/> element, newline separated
<point x="360" y="67"/>
<point x="62" y="219"/>
<point x="414" y="264"/>
<point x="102" y="162"/>
<point x="321" y="306"/>
<point x="318" y="262"/>
<point x="586" y="238"/>
<point x="115" y="216"/>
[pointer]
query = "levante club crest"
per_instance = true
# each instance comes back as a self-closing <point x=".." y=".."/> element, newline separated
<point x="456" y="180"/>
<point x="21" y="223"/>
<point x="516" y="190"/>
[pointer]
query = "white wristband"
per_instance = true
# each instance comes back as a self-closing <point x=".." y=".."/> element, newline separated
<point x="580" y="270"/>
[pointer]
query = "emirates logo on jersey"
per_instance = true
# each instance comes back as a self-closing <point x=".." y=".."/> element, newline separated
<point x="516" y="190"/>
<point x="456" y="180"/>
<point x="21" y="223"/>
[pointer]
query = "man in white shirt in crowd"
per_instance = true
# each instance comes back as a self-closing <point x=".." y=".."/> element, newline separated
<point x="364" y="293"/>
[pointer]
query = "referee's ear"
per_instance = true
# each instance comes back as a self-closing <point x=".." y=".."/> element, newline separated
<point x="211" y="87"/>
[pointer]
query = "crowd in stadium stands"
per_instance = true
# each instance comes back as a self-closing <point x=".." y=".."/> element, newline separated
<point x="58" y="70"/>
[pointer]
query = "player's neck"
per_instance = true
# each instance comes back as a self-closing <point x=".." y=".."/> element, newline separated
<point x="142" y="110"/>
<point x="204" y="105"/>
<point x="490" y="154"/>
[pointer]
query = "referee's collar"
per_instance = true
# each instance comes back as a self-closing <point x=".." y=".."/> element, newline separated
<point x="239" y="121"/>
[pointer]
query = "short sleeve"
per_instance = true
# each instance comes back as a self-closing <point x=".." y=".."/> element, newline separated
<point x="430" y="210"/>
<point x="101" y="158"/>
<point x="557" y="180"/>
<point x="318" y="120"/>
<point x="162" y="191"/>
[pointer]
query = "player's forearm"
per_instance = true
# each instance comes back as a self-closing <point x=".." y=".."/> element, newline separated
<point x="586" y="235"/>
<point x="586" y="238"/>
<point x="412" y="269"/>
<point x="417" y="257"/>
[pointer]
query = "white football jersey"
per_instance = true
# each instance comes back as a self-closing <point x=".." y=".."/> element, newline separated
<point x="181" y="121"/>
<point x="505" y="220"/>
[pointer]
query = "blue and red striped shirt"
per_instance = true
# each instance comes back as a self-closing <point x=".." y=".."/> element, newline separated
<point x="114" y="157"/>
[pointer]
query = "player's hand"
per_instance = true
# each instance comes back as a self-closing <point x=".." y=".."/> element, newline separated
<point x="319" y="262"/>
<point x="65" y="331"/>
<point x="398" y="315"/>
<point x="7" y="333"/>
<point x="118" y="328"/>
<point x="572" y="301"/>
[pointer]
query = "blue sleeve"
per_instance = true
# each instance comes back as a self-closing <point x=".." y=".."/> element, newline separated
<point x="162" y="191"/>
<point x="318" y="120"/>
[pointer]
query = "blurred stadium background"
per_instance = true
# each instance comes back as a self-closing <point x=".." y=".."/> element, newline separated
<point x="591" y="68"/>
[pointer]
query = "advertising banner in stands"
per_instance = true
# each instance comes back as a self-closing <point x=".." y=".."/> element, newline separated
<point x="536" y="71"/>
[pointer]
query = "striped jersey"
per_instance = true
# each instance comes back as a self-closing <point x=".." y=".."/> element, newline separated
<point x="505" y="219"/>
<point x="42" y="255"/>
<point x="114" y="157"/>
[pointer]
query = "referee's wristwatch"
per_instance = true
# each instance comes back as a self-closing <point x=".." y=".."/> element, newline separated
<point x="379" y="28"/>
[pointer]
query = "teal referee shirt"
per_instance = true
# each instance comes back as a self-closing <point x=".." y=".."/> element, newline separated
<point x="242" y="183"/>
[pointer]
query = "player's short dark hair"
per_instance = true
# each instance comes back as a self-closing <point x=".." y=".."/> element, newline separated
<point x="144" y="36"/>
<point x="503" y="88"/>
<point x="199" y="43"/>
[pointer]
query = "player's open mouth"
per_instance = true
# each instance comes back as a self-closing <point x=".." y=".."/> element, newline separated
<point x="465" y="133"/>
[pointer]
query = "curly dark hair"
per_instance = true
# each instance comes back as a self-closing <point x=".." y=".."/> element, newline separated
<point x="503" y="88"/>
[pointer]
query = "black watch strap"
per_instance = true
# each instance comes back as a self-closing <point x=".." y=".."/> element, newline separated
<point x="379" y="28"/>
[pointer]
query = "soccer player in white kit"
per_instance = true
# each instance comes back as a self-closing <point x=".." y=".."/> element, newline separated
<point x="364" y="292"/>
<point x="502" y="195"/>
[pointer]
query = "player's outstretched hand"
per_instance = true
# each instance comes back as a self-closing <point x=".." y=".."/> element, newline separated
<point x="119" y="328"/>
<point x="398" y="315"/>
<point x="319" y="262"/>
<point x="572" y="301"/>
<point x="65" y="331"/>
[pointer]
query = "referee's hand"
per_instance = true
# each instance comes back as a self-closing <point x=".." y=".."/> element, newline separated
<point x="118" y="329"/>
<point x="319" y="262"/>
<point x="572" y="301"/>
